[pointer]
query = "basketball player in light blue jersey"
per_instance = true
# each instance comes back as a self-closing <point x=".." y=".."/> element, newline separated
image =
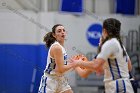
<point x="113" y="58"/>
<point x="54" y="80"/>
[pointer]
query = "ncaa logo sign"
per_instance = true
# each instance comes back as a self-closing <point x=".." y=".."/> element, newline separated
<point x="94" y="33"/>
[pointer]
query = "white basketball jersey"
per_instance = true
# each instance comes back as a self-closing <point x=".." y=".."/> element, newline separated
<point x="51" y="61"/>
<point x="116" y="65"/>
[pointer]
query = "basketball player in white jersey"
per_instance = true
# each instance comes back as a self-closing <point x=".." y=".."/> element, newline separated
<point x="113" y="58"/>
<point x="54" y="80"/>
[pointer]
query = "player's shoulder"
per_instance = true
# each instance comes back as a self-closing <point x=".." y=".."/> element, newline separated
<point x="112" y="41"/>
<point x="56" y="47"/>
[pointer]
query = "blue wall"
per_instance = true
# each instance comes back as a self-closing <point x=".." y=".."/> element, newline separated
<point x="18" y="64"/>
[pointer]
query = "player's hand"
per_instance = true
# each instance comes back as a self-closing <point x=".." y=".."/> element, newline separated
<point x="74" y="62"/>
<point x="78" y="59"/>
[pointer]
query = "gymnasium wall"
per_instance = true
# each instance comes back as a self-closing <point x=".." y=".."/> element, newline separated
<point x="23" y="54"/>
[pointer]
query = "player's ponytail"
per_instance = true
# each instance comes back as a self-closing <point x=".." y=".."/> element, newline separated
<point x="124" y="52"/>
<point x="49" y="39"/>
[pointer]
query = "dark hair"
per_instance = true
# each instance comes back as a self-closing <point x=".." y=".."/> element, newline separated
<point x="112" y="27"/>
<point x="48" y="38"/>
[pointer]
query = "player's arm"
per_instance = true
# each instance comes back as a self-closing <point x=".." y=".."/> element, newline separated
<point x="84" y="73"/>
<point x="58" y="56"/>
<point x="97" y="64"/>
<point x="94" y="65"/>
<point x="129" y="65"/>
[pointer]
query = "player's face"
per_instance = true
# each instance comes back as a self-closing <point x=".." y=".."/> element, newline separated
<point x="60" y="33"/>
